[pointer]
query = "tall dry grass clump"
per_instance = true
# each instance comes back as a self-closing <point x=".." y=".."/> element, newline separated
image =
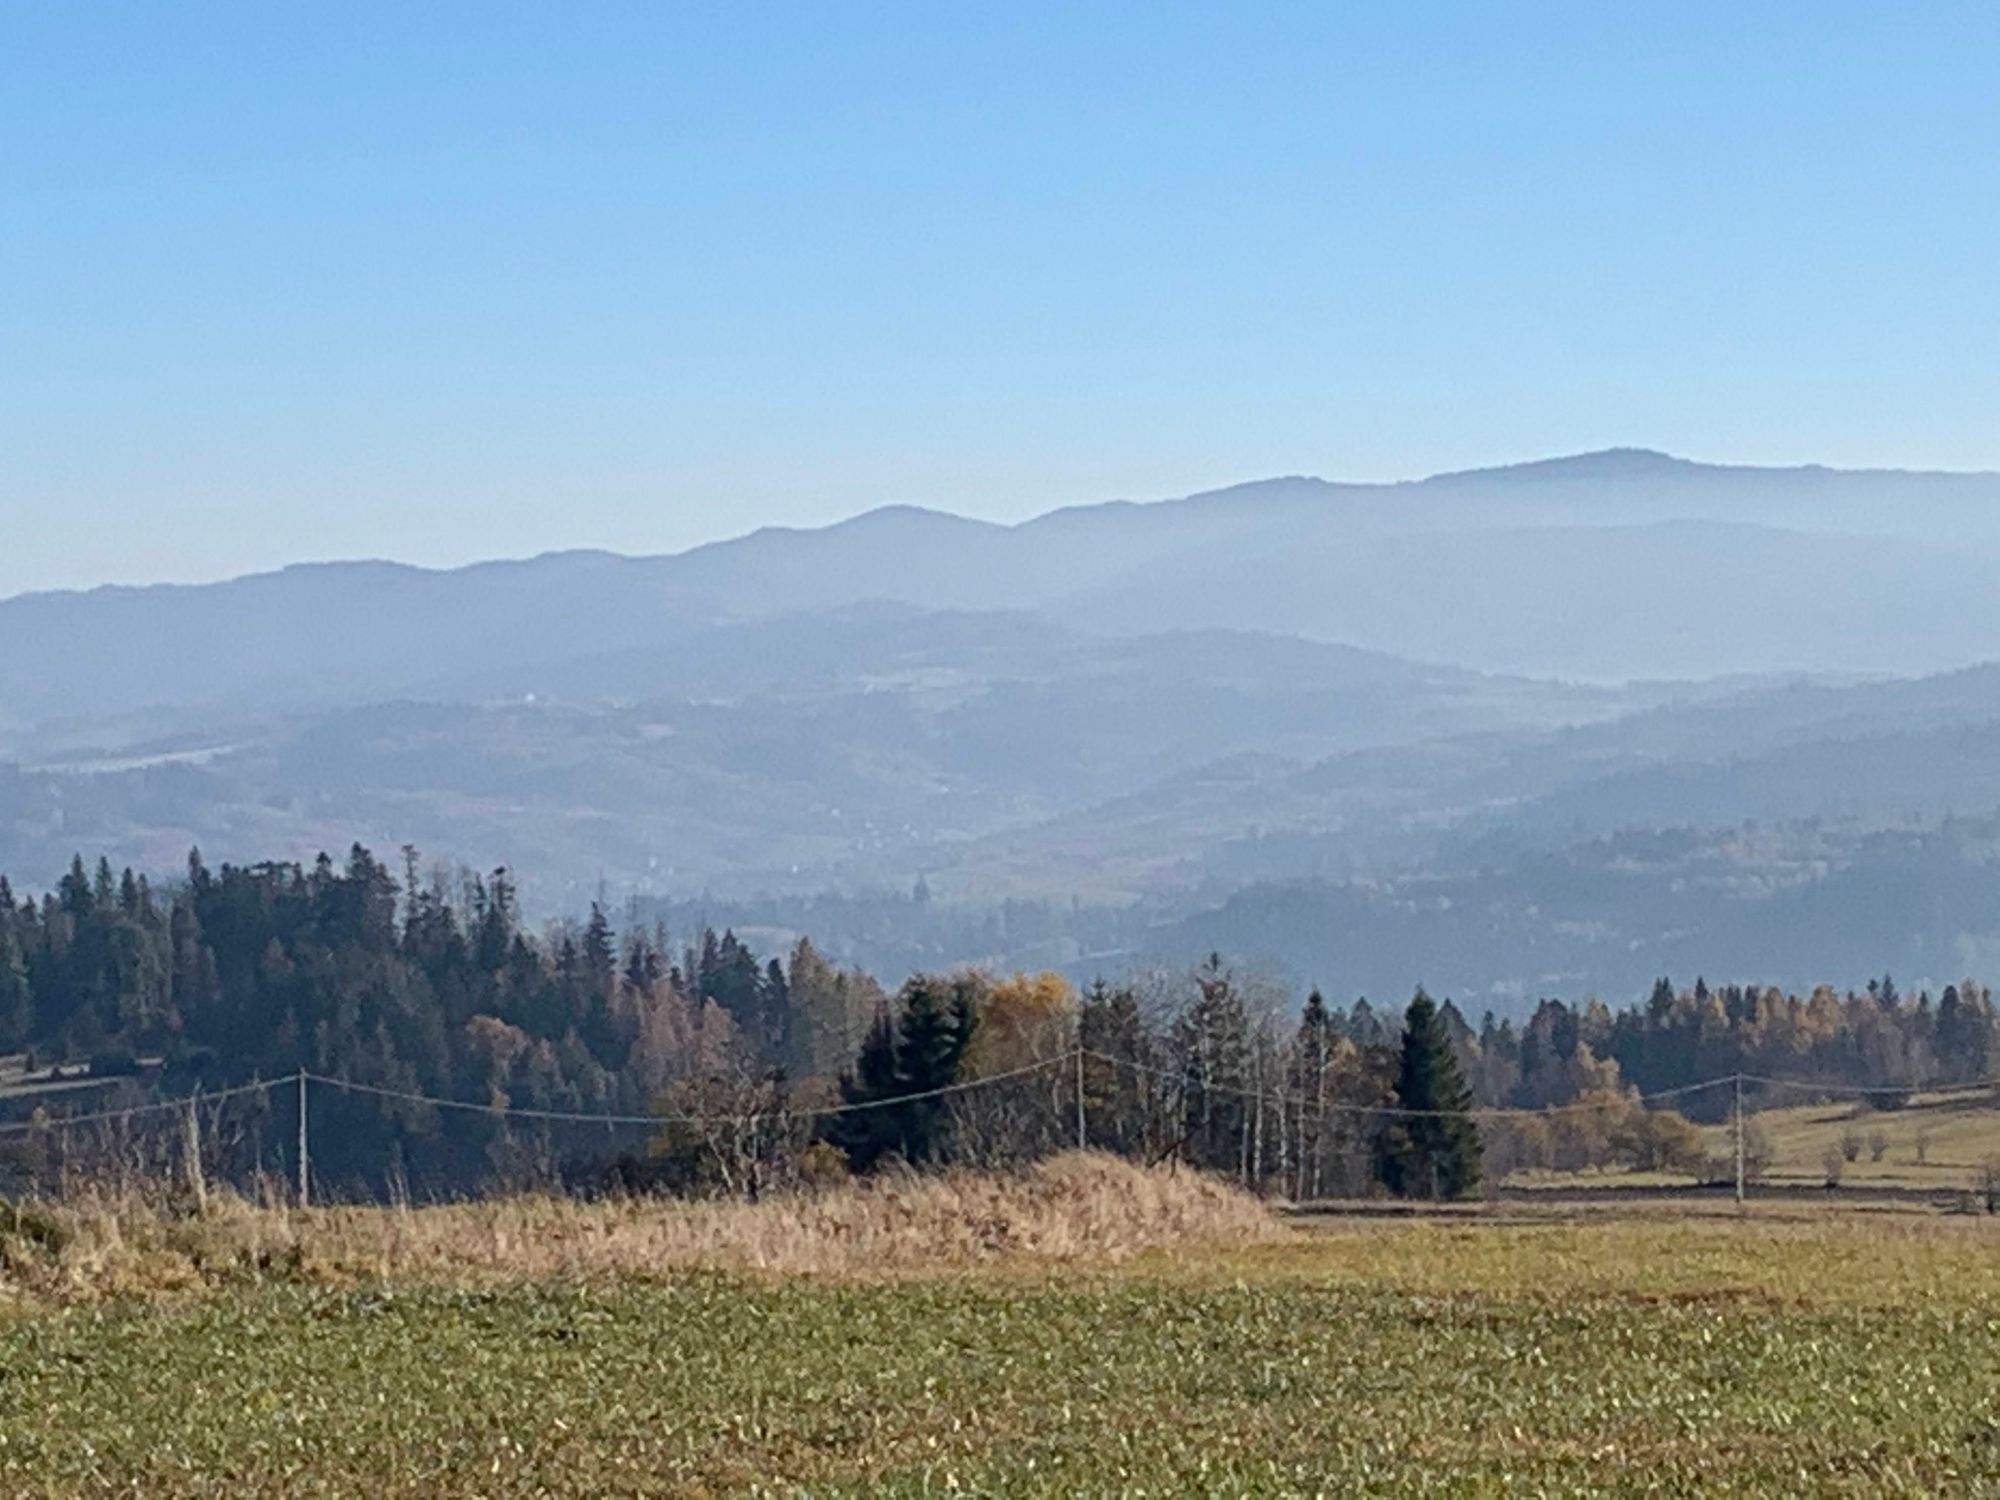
<point x="1074" y="1207"/>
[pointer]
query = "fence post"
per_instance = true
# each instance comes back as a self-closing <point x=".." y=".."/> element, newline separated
<point x="1082" y="1132"/>
<point x="305" y="1149"/>
<point x="1739" y="1140"/>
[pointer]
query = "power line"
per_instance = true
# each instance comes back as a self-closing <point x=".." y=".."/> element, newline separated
<point x="1071" y="1056"/>
<point x="1884" y="1090"/>
<point x="54" y="1122"/>
<point x="1476" y="1112"/>
<point x="576" y="1117"/>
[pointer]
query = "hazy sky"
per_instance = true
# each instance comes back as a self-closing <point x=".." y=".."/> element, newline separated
<point x="442" y="282"/>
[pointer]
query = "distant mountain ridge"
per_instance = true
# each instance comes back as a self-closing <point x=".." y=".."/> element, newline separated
<point x="1606" y="465"/>
<point x="1614" y="565"/>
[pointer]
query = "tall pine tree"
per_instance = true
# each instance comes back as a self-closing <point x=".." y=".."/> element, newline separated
<point x="1434" y="1151"/>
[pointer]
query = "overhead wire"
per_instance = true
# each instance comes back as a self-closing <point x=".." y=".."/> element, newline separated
<point x="1183" y="1076"/>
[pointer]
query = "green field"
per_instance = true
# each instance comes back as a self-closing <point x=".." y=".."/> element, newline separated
<point x="1860" y="1355"/>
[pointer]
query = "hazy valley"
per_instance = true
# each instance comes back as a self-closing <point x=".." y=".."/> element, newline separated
<point x="1375" y="732"/>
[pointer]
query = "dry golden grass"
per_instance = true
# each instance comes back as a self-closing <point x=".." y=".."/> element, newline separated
<point x="1937" y="1141"/>
<point x="1942" y="1143"/>
<point x="1072" y="1208"/>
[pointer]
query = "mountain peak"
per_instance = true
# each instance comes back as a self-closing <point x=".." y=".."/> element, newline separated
<point x="1603" y="463"/>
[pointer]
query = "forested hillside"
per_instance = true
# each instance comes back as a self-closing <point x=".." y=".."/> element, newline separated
<point x="431" y="992"/>
<point x="258" y="971"/>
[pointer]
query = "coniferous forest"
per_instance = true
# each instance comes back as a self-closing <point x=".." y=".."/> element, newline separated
<point x="735" y="1071"/>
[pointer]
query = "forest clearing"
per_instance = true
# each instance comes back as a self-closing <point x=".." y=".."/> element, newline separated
<point x="1084" y="1327"/>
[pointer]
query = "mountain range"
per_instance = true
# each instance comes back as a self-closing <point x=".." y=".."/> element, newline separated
<point x="1167" y="706"/>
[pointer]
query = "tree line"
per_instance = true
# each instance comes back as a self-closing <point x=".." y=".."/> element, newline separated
<point x="786" y="1068"/>
<point x="423" y="985"/>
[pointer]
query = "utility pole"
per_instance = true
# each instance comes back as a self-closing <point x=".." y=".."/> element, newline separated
<point x="191" y="1156"/>
<point x="1082" y="1134"/>
<point x="1739" y="1140"/>
<point x="305" y="1150"/>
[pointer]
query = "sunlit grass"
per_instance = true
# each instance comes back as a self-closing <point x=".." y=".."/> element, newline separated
<point x="1936" y="1141"/>
<point x="1943" y="1143"/>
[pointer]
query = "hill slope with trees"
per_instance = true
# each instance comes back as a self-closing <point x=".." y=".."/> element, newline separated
<point x="452" y="1037"/>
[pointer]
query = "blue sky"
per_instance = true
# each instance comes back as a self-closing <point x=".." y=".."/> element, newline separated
<point x="441" y="282"/>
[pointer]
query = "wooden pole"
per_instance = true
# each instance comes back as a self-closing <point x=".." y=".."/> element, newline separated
<point x="305" y="1148"/>
<point x="1739" y="1140"/>
<point x="191" y="1148"/>
<point x="1082" y="1132"/>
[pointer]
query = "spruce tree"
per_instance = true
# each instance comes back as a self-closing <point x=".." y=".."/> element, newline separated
<point x="873" y="1131"/>
<point x="775" y="1027"/>
<point x="938" y="1020"/>
<point x="1112" y="1031"/>
<point x="17" y="1014"/>
<point x="1433" y="1152"/>
<point x="1210" y="1046"/>
<point x="599" y="953"/>
<point x="901" y="1067"/>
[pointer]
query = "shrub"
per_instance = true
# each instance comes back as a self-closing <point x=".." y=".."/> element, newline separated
<point x="822" y="1165"/>
<point x="1668" y="1142"/>
<point x="1756" y="1151"/>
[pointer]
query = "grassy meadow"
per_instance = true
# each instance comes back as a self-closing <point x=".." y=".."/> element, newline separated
<point x="1940" y="1141"/>
<point x="1201" y="1348"/>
